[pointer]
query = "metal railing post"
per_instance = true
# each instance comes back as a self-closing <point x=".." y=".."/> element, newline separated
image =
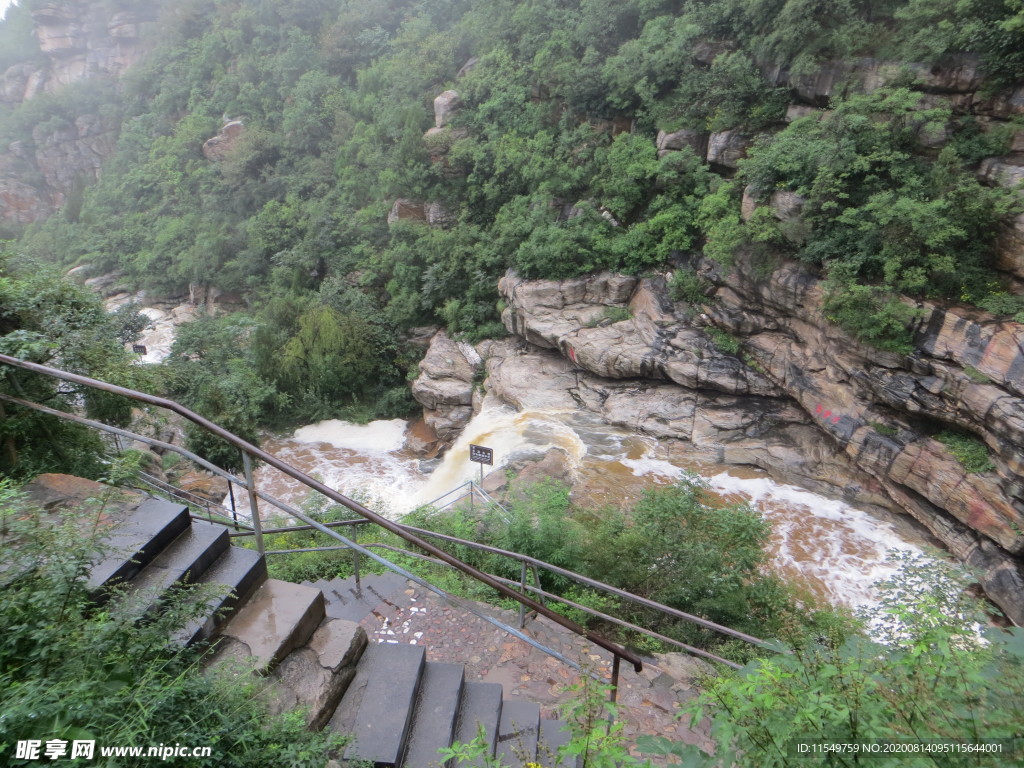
<point x="231" y="495"/>
<point x="536" y="581"/>
<point x="250" y="486"/>
<point x="522" y="587"/>
<point x="355" y="568"/>
<point x="614" y="693"/>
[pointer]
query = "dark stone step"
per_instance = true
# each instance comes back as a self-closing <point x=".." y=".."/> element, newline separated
<point x="377" y="706"/>
<point x="137" y="536"/>
<point x="433" y="720"/>
<point x="517" y="732"/>
<point x="239" y="572"/>
<point x="345" y="600"/>
<point x="552" y="738"/>
<point x="184" y="560"/>
<point x="480" y="707"/>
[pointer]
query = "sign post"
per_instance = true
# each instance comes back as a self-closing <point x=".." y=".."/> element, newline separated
<point x="481" y="456"/>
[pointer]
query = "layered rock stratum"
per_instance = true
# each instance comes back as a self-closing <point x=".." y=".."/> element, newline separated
<point x="798" y="397"/>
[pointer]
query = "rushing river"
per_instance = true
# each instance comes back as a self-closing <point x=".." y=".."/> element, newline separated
<point x="834" y="550"/>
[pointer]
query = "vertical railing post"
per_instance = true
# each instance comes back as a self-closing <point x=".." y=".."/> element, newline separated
<point x="614" y="693"/>
<point x="536" y="580"/>
<point x="522" y="588"/>
<point x="355" y="567"/>
<point x="231" y="495"/>
<point x="250" y="486"/>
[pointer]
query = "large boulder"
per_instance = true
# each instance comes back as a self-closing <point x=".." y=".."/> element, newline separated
<point x="218" y="147"/>
<point x="446" y="105"/>
<point x="682" y="139"/>
<point x="445" y="386"/>
<point x="406" y="209"/>
<point x="727" y="148"/>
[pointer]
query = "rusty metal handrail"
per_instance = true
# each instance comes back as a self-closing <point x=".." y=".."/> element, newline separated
<point x="707" y="624"/>
<point x="551" y="596"/>
<point x="249" y="450"/>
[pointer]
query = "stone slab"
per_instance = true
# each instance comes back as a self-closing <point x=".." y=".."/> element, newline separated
<point x="239" y="572"/>
<point x="385" y="687"/>
<point x="433" y="721"/>
<point x="278" y="619"/>
<point x="517" y="732"/>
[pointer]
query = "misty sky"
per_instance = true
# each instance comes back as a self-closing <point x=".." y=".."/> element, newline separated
<point x="3" y="6"/>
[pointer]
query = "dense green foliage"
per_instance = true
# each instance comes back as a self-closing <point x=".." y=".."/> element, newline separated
<point x="929" y="680"/>
<point x="536" y="171"/>
<point x="969" y="450"/>
<point x="70" y="670"/>
<point x="882" y="218"/>
<point x="674" y="546"/>
<point x="49" y="320"/>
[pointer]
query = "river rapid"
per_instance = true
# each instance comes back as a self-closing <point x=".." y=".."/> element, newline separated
<point x="835" y="551"/>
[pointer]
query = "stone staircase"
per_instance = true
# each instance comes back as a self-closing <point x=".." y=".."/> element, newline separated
<point x="401" y="709"/>
<point x="305" y="638"/>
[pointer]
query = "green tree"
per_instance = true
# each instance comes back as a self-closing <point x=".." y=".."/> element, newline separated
<point x="211" y="370"/>
<point x="47" y="319"/>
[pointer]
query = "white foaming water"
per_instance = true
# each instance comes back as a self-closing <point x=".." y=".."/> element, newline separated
<point x="375" y="437"/>
<point x="833" y="550"/>
<point x="836" y="551"/>
<point x="362" y="461"/>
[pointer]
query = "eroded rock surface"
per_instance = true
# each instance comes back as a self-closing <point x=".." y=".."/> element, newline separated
<point x="216" y="148"/>
<point x="797" y="396"/>
<point x="445" y="386"/>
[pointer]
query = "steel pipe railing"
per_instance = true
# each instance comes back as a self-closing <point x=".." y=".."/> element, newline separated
<point x="253" y="451"/>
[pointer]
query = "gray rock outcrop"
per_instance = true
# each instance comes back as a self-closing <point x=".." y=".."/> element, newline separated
<point x="446" y="105"/>
<point x="216" y="148"/>
<point x="799" y="398"/>
<point x="1003" y="172"/>
<point x="445" y="386"/>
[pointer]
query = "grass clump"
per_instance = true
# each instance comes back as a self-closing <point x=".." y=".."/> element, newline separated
<point x="970" y="451"/>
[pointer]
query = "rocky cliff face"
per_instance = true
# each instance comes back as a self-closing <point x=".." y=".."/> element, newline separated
<point x="77" y="40"/>
<point x="797" y="397"/>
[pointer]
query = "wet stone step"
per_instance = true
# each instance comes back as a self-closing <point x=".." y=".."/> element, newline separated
<point x="517" y="732"/>
<point x="345" y="600"/>
<point x="553" y="737"/>
<point x="377" y="708"/>
<point x="278" y="619"/>
<point x="184" y="561"/>
<point x="239" y="572"/>
<point x="480" y="708"/>
<point x="137" y="536"/>
<point x="433" y="721"/>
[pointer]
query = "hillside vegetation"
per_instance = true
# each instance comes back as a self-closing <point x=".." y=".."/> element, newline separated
<point x="547" y="165"/>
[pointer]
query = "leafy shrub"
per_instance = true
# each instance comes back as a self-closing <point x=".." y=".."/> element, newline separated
<point x="725" y="341"/>
<point x="674" y="546"/>
<point x="71" y="671"/>
<point x="686" y="285"/>
<point x="884" y="429"/>
<point x="617" y="314"/>
<point x="873" y="316"/>
<point x="931" y="679"/>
